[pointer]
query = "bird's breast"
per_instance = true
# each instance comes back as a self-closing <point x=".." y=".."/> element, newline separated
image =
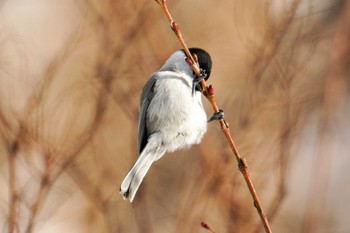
<point x="175" y="113"/>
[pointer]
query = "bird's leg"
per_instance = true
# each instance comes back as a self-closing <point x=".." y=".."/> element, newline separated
<point x="217" y="116"/>
<point x="196" y="81"/>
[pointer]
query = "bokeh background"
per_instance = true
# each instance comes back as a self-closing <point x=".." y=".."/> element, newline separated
<point x="71" y="73"/>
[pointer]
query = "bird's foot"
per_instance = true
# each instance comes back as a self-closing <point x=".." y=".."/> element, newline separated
<point x="196" y="81"/>
<point x="217" y="116"/>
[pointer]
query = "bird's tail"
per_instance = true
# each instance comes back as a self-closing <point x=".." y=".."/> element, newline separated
<point x="133" y="179"/>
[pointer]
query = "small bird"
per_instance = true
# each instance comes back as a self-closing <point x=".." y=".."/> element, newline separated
<point x="172" y="116"/>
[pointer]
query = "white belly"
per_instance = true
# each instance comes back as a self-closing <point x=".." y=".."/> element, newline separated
<point x="177" y="116"/>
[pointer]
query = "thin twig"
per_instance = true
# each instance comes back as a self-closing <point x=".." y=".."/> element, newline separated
<point x="42" y="195"/>
<point x="12" y="219"/>
<point x="209" y="94"/>
<point x="207" y="226"/>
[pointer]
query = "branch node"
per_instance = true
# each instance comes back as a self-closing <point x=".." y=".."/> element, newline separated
<point x="258" y="208"/>
<point x="195" y="58"/>
<point x="206" y="226"/>
<point x="189" y="61"/>
<point x="242" y="164"/>
<point x="174" y="26"/>
<point x="211" y="90"/>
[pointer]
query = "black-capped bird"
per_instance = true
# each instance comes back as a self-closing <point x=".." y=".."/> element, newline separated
<point x="172" y="116"/>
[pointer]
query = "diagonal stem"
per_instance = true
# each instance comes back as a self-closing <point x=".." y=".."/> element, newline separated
<point x="206" y="226"/>
<point x="13" y="202"/>
<point x="210" y="95"/>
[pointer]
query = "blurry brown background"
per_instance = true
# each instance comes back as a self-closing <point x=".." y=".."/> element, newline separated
<point x="71" y="73"/>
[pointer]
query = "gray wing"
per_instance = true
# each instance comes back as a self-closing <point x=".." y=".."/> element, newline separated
<point x="145" y="100"/>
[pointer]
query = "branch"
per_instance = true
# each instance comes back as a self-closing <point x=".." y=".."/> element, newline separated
<point x="206" y="226"/>
<point x="210" y="95"/>
<point x="13" y="202"/>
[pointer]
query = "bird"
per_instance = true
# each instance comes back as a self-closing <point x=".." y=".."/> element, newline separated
<point x="172" y="116"/>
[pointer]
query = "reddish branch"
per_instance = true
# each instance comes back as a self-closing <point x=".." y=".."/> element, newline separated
<point x="210" y="95"/>
<point x="207" y="226"/>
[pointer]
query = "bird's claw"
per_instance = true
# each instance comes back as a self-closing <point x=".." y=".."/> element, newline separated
<point x="197" y="81"/>
<point x="217" y="116"/>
